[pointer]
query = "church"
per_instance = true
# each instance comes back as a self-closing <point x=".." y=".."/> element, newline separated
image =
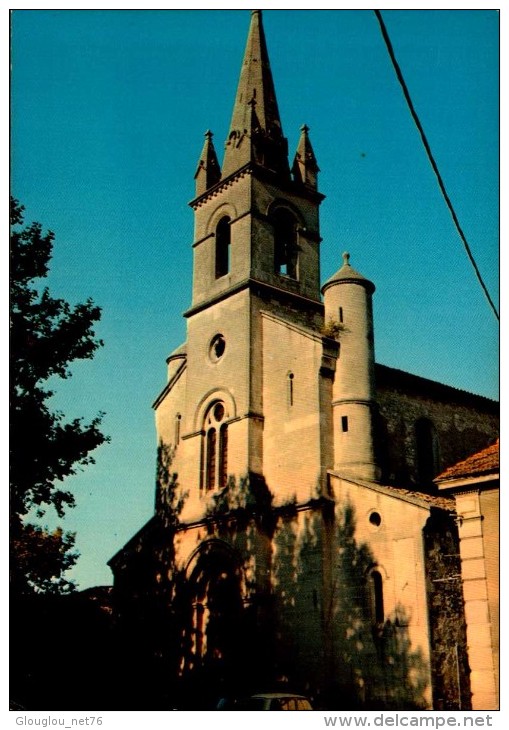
<point x="299" y="536"/>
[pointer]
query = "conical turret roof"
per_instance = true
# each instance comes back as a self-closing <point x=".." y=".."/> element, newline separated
<point x="347" y="274"/>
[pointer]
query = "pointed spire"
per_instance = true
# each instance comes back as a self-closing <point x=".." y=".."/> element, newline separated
<point x="255" y="133"/>
<point x="208" y="172"/>
<point x="305" y="169"/>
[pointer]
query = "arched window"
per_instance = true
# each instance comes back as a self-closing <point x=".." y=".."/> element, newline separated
<point x="290" y="388"/>
<point x="377" y="597"/>
<point x="223" y="240"/>
<point x="223" y="455"/>
<point x="215" y="470"/>
<point x="427" y="450"/>
<point x="178" y="419"/>
<point x="211" y="459"/>
<point x="285" y="243"/>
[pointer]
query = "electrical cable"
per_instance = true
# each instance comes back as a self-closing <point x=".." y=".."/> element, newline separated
<point x="432" y="159"/>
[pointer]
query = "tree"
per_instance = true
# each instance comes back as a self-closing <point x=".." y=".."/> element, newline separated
<point x="46" y="335"/>
<point x="41" y="558"/>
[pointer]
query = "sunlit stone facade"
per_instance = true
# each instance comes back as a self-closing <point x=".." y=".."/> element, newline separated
<point x="312" y="544"/>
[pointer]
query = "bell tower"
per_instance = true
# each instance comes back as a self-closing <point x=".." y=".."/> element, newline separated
<point x="256" y="249"/>
<point x="256" y="218"/>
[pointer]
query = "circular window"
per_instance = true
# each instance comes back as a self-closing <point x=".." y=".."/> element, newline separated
<point x="375" y="519"/>
<point x="217" y="348"/>
<point x="219" y="411"/>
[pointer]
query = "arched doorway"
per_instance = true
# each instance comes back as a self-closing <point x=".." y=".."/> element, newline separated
<point x="215" y="636"/>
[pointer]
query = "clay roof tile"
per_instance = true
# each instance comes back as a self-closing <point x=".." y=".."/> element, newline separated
<point x="483" y="462"/>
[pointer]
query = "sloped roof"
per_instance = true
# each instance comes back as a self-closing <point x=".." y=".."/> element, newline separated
<point x="483" y="462"/>
<point x="405" y="382"/>
<point x="422" y="499"/>
<point x="180" y="351"/>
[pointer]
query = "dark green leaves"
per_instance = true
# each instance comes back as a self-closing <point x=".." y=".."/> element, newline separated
<point x="46" y="336"/>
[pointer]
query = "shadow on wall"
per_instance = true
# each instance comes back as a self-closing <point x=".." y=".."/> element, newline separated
<point x="329" y="641"/>
<point x="449" y="653"/>
<point x="275" y="599"/>
<point x="226" y="601"/>
<point x="280" y="599"/>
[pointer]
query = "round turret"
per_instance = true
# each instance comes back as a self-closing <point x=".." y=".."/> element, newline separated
<point x="175" y="360"/>
<point x="349" y="317"/>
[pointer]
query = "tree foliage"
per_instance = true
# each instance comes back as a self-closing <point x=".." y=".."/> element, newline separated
<point x="41" y="557"/>
<point x="46" y="336"/>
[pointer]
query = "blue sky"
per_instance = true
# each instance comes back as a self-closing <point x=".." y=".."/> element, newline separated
<point x="108" y="112"/>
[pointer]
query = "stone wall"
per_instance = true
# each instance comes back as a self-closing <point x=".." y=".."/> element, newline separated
<point x="479" y="520"/>
<point x="464" y="423"/>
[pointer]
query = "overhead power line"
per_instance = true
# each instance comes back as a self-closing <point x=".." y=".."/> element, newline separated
<point x="432" y="159"/>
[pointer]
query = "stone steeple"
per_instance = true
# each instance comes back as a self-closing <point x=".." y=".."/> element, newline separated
<point x="305" y="168"/>
<point x="208" y="172"/>
<point x="256" y="134"/>
<point x="256" y="225"/>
